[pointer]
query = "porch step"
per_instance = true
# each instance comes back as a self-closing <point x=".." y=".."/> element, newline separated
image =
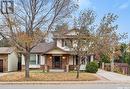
<point x="56" y="70"/>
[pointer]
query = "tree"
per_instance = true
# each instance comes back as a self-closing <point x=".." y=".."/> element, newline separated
<point x="83" y="40"/>
<point x="125" y="54"/>
<point x="63" y="26"/>
<point x="23" y="27"/>
<point x="108" y="38"/>
<point x="4" y="43"/>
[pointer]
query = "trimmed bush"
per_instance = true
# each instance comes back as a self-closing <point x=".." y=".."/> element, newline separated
<point x="92" y="67"/>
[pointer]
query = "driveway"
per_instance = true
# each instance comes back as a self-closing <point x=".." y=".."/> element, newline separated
<point x="113" y="76"/>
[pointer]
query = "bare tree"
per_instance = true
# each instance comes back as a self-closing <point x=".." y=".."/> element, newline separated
<point x="23" y="27"/>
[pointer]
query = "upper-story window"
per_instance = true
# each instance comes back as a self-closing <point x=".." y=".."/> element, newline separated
<point x="67" y="43"/>
<point x="64" y="43"/>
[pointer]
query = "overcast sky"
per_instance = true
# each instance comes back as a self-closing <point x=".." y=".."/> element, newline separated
<point x="119" y="7"/>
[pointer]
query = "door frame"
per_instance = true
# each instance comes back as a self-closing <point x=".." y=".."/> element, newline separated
<point x="54" y="62"/>
<point x="2" y="65"/>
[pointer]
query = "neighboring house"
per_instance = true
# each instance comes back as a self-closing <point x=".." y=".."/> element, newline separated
<point x="8" y="59"/>
<point x="56" y="54"/>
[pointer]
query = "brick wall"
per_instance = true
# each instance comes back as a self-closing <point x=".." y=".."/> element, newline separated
<point x="64" y="60"/>
<point x="49" y="61"/>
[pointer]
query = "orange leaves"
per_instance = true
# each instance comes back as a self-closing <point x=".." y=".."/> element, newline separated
<point x="24" y="38"/>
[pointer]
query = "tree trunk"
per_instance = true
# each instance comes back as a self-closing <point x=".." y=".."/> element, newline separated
<point x="27" y="59"/>
<point x="77" y="76"/>
<point x="78" y="68"/>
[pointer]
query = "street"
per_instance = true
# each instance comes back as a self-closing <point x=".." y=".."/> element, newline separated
<point x="68" y="86"/>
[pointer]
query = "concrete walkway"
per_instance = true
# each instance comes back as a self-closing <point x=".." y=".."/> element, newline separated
<point x="113" y="76"/>
<point x="2" y="74"/>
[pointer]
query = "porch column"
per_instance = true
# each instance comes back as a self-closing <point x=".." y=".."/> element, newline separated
<point x="46" y="67"/>
<point x="67" y="64"/>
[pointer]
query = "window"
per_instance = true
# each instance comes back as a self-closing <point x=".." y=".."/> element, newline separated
<point x="32" y="59"/>
<point x="63" y="42"/>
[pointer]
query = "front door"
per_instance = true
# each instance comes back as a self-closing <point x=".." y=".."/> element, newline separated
<point x="56" y="63"/>
<point x="1" y="65"/>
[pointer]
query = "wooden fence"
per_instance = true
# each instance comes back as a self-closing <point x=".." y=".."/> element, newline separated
<point x="122" y="68"/>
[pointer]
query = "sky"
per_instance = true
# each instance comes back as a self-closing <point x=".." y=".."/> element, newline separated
<point x="118" y="7"/>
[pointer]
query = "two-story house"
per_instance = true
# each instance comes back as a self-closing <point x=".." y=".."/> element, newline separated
<point x="56" y="55"/>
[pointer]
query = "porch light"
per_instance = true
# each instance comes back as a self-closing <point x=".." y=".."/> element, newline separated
<point x="63" y="57"/>
<point x="50" y="57"/>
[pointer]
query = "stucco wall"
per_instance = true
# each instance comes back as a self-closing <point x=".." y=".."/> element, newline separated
<point x="23" y="60"/>
<point x="12" y="62"/>
<point x="59" y="44"/>
<point x="70" y="60"/>
<point x="42" y="62"/>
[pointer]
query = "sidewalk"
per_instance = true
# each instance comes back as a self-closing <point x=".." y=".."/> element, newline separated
<point x="2" y="74"/>
<point x="61" y="82"/>
<point x="113" y="76"/>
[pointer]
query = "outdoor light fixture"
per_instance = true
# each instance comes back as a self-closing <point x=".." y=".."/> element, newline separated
<point x="50" y="57"/>
<point x="63" y="57"/>
<point x="7" y="7"/>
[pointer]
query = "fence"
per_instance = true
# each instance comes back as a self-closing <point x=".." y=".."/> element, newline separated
<point x="122" y="68"/>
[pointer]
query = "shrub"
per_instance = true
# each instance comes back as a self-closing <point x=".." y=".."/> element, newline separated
<point x="92" y="67"/>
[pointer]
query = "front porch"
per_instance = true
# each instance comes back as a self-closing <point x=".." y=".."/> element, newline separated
<point x="55" y="59"/>
<point x="56" y="62"/>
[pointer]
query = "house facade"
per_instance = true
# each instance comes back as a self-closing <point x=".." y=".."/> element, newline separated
<point x="8" y="59"/>
<point x="56" y="54"/>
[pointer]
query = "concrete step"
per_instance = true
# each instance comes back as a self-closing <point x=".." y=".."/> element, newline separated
<point x="56" y="70"/>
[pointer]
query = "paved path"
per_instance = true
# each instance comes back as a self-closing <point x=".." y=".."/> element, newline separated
<point x="1" y="74"/>
<point x="113" y="76"/>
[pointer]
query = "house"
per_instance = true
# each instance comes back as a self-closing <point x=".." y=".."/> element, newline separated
<point x="8" y="59"/>
<point x="55" y="55"/>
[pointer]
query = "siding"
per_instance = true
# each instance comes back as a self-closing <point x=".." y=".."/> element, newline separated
<point x="12" y="62"/>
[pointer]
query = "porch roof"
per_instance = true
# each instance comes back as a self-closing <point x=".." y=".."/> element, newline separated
<point x="56" y="50"/>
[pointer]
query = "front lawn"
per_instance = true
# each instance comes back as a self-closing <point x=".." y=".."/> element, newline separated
<point x="41" y="76"/>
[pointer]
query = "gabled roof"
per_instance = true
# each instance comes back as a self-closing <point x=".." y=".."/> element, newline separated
<point x="56" y="48"/>
<point x="65" y="34"/>
<point x="6" y="50"/>
<point x="43" y="47"/>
